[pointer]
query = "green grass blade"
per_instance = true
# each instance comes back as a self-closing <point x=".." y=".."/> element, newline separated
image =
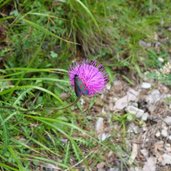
<point x="16" y="158"/>
<point x="45" y="30"/>
<point x="32" y="87"/>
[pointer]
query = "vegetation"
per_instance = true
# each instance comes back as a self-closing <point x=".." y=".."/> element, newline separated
<point x="38" y="42"/>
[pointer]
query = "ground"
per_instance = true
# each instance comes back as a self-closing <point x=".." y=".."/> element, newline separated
<point x="147" y="132"/>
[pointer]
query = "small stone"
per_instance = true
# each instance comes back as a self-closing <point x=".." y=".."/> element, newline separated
<point x="151" y="108"/>
<point x="145" y="85"/>
<point x="135" y="169"/>
<point x="164" y="126"/>
<point x="164" y="133"/>
<point x="132" y="95"/>
<point x="168" y="147"/>
<point x="144" y="44"/>
<point x="144" y="128"/>
<point x="134" y="110"/>
<point x="100" y="126"/>
<point x="108" y="86"/>
<point x="144" y="152"/>
<point x="153" y="97"/>
<point x="121" y="103"/>
<point x="169" y="137"/>
<point x="168" y="120"/>
<point x="164" y="89"/>
<point x="158" y="134"/>
<point x="133" y="128"/>
<point x="145" y="116"/>
<point x="111" y="107"/>
<point x="150" y="164"/>
<point x="160" y="59"/>
<point x="100" y="165"/>
<point x="114" y="169"/>
<point x="82" y="101"/>
<point x="166" y="159"/>
<point x="117" y="86"/>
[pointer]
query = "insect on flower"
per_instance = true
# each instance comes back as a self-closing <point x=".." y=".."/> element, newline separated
<point x="87" y="78"/>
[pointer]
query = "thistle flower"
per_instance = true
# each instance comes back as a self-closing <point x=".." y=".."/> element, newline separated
<point x="87" y="78"/>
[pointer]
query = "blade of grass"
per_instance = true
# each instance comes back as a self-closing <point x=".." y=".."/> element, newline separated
<point x="45" y="30"/>
<point x="7" y="167"/>
<point x="16" y="158"/>
<point x="32" y="87"/>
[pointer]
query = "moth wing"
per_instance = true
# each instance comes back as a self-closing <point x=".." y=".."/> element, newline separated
<point x="80" y="88"/>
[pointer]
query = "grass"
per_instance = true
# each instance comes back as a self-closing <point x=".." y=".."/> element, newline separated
<point x="38" y="42"/>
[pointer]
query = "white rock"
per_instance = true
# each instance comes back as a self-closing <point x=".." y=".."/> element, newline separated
<point x="104" y="136"/>
<point x="108" y="86"/>
<point x="168" y="120"/>
<point x="134" y="110"/>
<point x="169" y="137"/>
<point x="121" y="103"/>
<point x="114" y="169"/>
<point x="145" y="116"/>
<point x="49" y="166"/>
<point x="100" y="125"/>
<point x="133" y="128"/>
<point x="158" y="134"/>
<point x="150" y="164"/>
<point x="168" y="147"/>
<point x="166" y="159"/>
<point x="135" y="169"/>
<point x="100" y="129"/>
<point x="161" y="59"/>
<point x="144" y="44"/>
<point x="82" y="101"/>
<point x="164" y="133"/>
<point x="132" y="95"/>
<point x="144" y="152"/>
<point x="153" y="97"/>
<point x="145" y="85"/>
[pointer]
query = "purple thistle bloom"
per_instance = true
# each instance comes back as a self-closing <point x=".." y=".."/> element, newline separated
<point x="92" y="77"/>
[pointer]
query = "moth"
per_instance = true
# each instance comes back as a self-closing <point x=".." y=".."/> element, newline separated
<point x="79" y="87"/>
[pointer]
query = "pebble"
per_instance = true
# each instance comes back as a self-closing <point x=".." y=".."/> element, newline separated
<point x="164" y="133"/>
<point x="145" y="116"/>
<point x="135" y="169"/>
<point x="117" y="86"/>
<point x="168" y="120"/>
<point x="134" y="110"/>
<point x="158" y="134"/>
<point x="144" y="152"/>
<point x="145" y="85"/>
<point x="168" y="147"/>
<point x="153" y="97"/>
<point x="144" y="44"/>
<point x="161" y="59"/>
<point x="114" y="169"/>
<point x="100" y="166"/>
<point x="169" y="137"/>
<point x="166" y="159"/>
<point x="108" y="86"/>
<point x="133" y="128"/>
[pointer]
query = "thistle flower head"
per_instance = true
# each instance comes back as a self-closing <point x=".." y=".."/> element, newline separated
<point x="91" y="75"/>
